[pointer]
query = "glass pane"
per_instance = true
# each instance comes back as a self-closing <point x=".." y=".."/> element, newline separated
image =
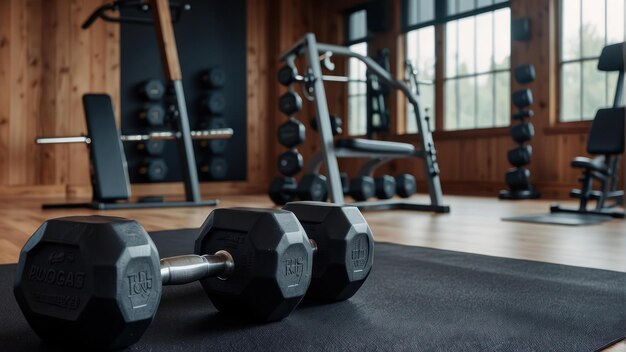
<point x="427" y="10"/>
<point x="465" y="5"/>
<point x="570" y="92"/>
<point x="411" y="125"/>
<point x="427" y="93"/>
<point x="353" y="120"/>
<point x="452" y="7"/>
<point x="362" y="101"/>
<point x="467" y="46"/>
<point x="485" y="108"/>
<point x="426" y="62"/>
<point x="594" y="89"/>
<point x="452" y="54"/>
<point x="503" y="98"/>
<point x="477" y="45"/>
<point x="451" y="93"/>
<point x="615" y="21"/>
<point x="412" y="13"/>
<point x="467" y="102"/>
<point x="483" y="3"/>
<point x="360" y="48"/>
<point x="357" y="92"/>
<point x="421" y="52"/>
<point x="570" y="30"/>
<point x="357" y="25"/>
<point x="502" y="38"/>
<point x="484" y="45"/>
<point x="411" y="45"/>
<point x="593" y="27"/>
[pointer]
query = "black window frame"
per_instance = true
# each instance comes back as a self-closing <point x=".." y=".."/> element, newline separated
<point x="580" y="61"/>
<point x="441" y="14"/>
<point x="347" y="40"/>
<point x="441" y="18"/>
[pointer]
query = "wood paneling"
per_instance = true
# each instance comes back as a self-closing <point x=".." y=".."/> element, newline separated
<point x="48" y="62"/>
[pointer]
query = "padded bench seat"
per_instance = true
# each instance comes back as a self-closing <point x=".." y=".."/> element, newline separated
<point x="590" y="164"/>
<point x="378" y="147"/>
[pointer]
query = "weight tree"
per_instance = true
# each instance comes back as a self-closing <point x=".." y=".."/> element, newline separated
<point x="518" y="177"/>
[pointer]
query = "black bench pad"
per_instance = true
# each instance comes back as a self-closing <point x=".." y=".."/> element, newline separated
<point x="598" y="165"/>
<point x="370" y="146"/>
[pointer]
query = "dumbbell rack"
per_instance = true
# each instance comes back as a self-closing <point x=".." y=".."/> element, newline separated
<point x="214" y="166"/>
<point x="378" y="152"/>
<point x="109" y="170"/>
<point x="518" y="177"/>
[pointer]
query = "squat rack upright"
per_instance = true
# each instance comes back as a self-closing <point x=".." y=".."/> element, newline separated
<point x="378" y="152"/>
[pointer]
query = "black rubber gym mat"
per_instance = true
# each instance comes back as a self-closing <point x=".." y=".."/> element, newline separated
<point x="416" y="299"/>
<point x="568" y="219"/>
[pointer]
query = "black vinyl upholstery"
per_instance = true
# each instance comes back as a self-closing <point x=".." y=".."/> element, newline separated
<point x="372" y="146"/>
<point x="612" y="58"/>
<point x="598" y="165"/>
<point x="607" y="132"/>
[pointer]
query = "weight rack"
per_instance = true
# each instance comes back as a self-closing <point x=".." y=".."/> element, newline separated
<point x="378" y="152"/>
<point x="109" y="172"/>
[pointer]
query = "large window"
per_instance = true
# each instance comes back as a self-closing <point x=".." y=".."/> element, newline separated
<point x="420" y="51"/>
<point x="357" y="92"/>
<point x="586" y="27"/>
<point x="357" y="72"/>
<point x="476" y="63"/>
<point x="477" y="73"/>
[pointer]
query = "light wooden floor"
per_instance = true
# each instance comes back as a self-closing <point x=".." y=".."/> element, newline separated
<point x="473" y="225"/>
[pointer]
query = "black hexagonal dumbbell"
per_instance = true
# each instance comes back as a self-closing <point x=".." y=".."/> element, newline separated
<point x="406" y="185"/>
<point x="282" y="190"/>
<point x="290" y="162"/>
<point x="290" y="103"/>
<point x="336" y="124"/>
<point x="154" y="169"/>
<point x="153" y="115"/>
<point x="152" y="90"/>
<point x="287" y="75"/>
<point x="291" y="133"/>
<point x="152" y="147"/>
<point x="520" y="156"/>
<point x="95" y="282"/>
<point x="312" y="187"/>
<point x="214" y="78"/>
<point x="362" y="188"/>
<point x="522" y="132"/>
<point x="215" y="168"/>
<point x="344" y="248"/>
<point x="215" y="103"/>
<point x="385" y="186"/>
<point x="215" y="146"/>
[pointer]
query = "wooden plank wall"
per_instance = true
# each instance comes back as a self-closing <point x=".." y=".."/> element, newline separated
<point x="47" y="62"/>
